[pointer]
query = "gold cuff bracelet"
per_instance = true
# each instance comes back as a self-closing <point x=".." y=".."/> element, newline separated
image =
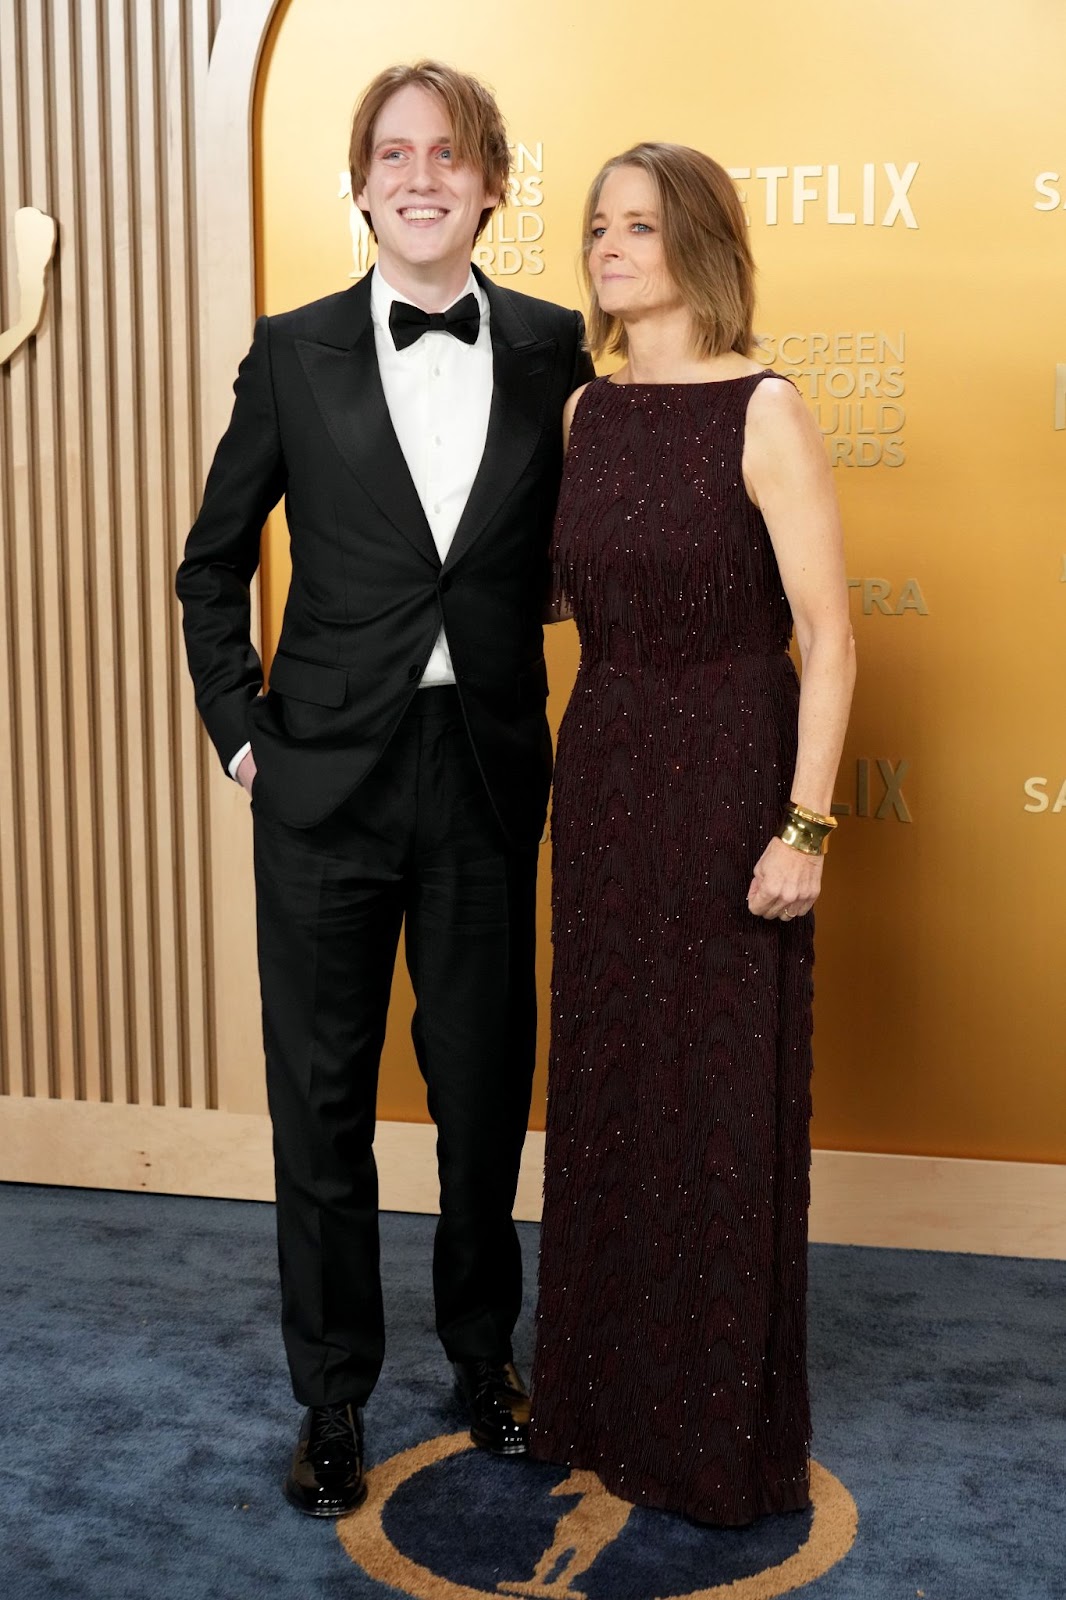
<point x="806" y="831"/>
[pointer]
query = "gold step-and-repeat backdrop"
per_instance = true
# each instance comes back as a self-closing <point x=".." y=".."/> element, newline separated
<point x="904" y="172"/>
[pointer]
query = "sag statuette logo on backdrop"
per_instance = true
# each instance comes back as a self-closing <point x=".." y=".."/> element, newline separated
<point x="554" y="1534"/>
<point x="35" y="242"/>
<point x="511" y="243"/>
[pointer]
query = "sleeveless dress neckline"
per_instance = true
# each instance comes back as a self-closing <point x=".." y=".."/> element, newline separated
<point x="701" y="383"/>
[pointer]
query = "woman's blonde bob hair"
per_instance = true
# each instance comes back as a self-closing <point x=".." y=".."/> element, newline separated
<point x="705" y="241"/>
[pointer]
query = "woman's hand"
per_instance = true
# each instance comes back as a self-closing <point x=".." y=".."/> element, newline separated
<point x="786" y="882"/>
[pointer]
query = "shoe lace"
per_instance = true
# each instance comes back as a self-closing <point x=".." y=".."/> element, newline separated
<point x="330" y="1425"/>
<point x="490" y="1375"/>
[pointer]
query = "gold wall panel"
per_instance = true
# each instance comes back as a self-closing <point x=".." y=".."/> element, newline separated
<point x="126" y="932"/>
<point x="905" y="176"/>
<point x="108" y="979"/>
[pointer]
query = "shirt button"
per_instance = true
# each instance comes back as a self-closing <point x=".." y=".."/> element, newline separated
<point x="436" y="509"/>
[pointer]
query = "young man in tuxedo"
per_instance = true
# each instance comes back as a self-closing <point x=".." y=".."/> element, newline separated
<point x="400" y="762"/>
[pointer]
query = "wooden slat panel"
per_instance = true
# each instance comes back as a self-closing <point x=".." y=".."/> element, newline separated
<point x="53" y="816"/>
<point x="186" y="46"/>
<point x="128" y="820"/>
<point x="79" y="793"/>
<point x="12" y="1050"/>
<point x="156" y="599"/>
<point x="24" y="818"/>
<point x="124" y="872"/>
<point x="102" y="598"/>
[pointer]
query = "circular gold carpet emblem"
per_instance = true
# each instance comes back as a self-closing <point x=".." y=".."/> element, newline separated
<point x="474" y="1526"/>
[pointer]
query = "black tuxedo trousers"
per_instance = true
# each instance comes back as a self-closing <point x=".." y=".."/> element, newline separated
<point x="418" y="844"/>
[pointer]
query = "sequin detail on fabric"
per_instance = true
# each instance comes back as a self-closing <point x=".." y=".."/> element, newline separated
<point x="671" y="1331"/>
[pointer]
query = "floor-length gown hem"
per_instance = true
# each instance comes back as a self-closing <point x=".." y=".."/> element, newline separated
<point x="788" y="1497"/>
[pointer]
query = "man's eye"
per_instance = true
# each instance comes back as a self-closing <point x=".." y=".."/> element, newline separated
<point x="446" y="155"/>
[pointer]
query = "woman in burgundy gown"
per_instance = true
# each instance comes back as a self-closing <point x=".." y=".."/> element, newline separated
<point x="693" y="781"/>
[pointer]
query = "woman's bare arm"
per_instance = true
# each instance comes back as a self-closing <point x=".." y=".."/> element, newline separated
<point x="789" y="479"/>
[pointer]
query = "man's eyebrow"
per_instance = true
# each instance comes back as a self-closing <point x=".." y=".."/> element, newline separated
<point x="444" y="138"/>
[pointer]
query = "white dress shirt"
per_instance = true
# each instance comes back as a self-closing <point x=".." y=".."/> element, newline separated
<point x="438" y="391"/>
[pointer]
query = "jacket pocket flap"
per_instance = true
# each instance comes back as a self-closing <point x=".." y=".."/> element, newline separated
<point x="308" y="680"/>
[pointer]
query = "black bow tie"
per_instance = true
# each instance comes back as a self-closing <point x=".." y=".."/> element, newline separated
<point x="407" y="323"/>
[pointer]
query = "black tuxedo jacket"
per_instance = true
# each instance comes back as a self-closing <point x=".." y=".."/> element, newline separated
<point x="369" y="593"/>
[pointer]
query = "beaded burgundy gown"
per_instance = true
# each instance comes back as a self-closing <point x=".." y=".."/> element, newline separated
<point x="671" y="1327"/>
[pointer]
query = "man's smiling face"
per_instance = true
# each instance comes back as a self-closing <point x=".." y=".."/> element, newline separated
<point x="424" y="206"/>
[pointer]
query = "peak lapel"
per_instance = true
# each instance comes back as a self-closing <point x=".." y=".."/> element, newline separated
<point x="521" y="370"/>
<point x="342" y="370"/>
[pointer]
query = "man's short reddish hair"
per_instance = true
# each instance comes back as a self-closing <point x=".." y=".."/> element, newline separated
<point x="474" y="122"/>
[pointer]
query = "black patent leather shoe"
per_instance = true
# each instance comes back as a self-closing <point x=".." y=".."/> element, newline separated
<point x="498" y="1404"/>
<point x="326" y="1477"/>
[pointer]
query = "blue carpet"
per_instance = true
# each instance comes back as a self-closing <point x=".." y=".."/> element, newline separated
<point x="147" y="1420"/>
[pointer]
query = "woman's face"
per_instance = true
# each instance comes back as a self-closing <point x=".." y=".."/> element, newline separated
<point x="627" y="263"/>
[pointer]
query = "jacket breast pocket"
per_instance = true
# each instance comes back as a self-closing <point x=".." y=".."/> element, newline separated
<point x="311" y="681"/>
